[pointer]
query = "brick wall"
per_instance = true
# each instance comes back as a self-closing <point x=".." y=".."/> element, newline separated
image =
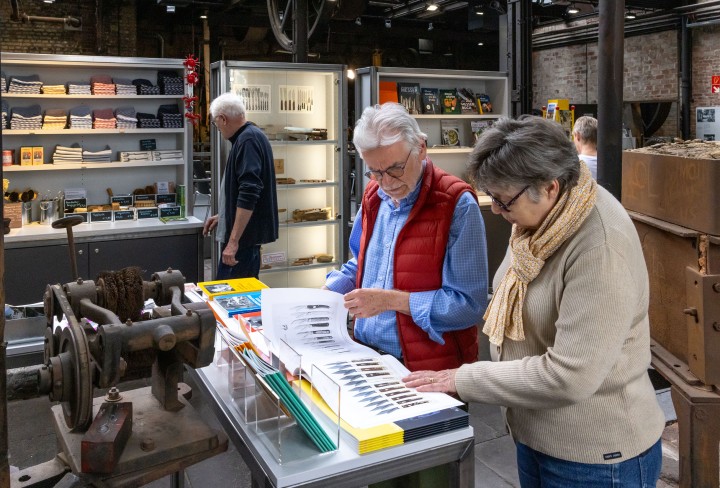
<point x="651" y="73"/>
<point x="705" y="63"/>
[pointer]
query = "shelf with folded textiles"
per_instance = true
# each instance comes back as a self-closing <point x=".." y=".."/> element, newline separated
<point x="67" y="132"/>
<point x="86" y="165"/>
<point x="42" y="96"/>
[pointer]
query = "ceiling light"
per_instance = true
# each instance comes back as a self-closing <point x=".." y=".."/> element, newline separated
<point x="170" y="9"/>
<point x="448" y="52"/>
<point x="630" y="15"/>
<point x="481" y="43"/>
<point x="358" y="21"/>
<point x="203" y="15"/>
<point x="430" y="26"/>
<point x="432" y="7"/>
<point x="351" y="74"/>
<point x="572" y="9"/>
<point x="49" y="1"/>
<point x="388" y="23"/>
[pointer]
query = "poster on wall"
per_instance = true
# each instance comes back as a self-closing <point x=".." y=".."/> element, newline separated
<point x="296" y="99"/>
<point x="707" y="121"/>
<point x="256" y="97"/>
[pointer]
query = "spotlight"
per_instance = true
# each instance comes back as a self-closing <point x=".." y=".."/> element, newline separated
<point x="351" y="74"/>
<point x="572" y="9"/>
<point x="358" y="21"/>
<point x="388" y="23"/>
<point x="430" y="26"/>
<point x="481" y="43"/>
<point x="431" y="7"/>
<point x="630" y="15"/>
<point x="203" y="15"/>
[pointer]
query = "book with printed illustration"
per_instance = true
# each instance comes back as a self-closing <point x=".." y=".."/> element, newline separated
<point x="211" y="289"/>
<point x="478" y="127"/>
<point x="450" y="132"/>
<point x="409" y="97"/>
<point x="467" y="101"/>
<point x="430" y="100"/>
<point x="450" y="103"/>
<point x="484" y="103"/>
<point x="239" y="303"/>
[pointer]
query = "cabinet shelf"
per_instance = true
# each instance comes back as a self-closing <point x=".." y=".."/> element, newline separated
<point x="458" y="116"/>
<point x="302" y="267"/>
<point x="70" y="132"/>
<point x="449" y="150"/>
<point x="84" y="166"/>
<point x="300" y="186"/>
<point x="276" y="142"/>
<point x="316" y="223"/>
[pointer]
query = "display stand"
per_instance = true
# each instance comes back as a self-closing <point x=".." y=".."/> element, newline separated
<point x="264" y="413"/>
<point x="344" y="468"/>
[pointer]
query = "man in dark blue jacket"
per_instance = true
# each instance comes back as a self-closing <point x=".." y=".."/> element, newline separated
<point x="247" y="200"/>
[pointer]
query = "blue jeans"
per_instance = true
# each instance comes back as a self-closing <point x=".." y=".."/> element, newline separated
<point x="538" y="470"/>
<point x="248" y="264"/>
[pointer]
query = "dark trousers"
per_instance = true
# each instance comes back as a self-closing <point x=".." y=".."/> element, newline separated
<point x="248" y="264"/>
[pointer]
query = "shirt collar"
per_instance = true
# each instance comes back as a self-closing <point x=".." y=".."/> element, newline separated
<point x="239" y="131"/>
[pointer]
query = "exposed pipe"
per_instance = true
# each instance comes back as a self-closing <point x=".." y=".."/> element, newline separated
<point x="685" y="77"/>
<point x="611" y="44"/>
<point x="17" y="16"/>
<point x="162" y="44"/>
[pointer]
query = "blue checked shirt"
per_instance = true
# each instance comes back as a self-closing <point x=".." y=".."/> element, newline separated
<point x="459" y="303"/>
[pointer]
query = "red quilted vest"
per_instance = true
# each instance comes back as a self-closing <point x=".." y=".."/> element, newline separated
<point x="419" y="256"/>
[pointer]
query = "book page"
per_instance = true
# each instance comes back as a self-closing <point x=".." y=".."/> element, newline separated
<point x="313" y="323"/>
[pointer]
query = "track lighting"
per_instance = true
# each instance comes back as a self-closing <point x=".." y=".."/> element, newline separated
<point x="388" y="23"/>
<point x="432" y="7"/>
<point x="430" y="26"/>
<point x="358" y="21"/>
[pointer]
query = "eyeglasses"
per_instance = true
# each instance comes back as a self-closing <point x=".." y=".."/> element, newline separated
<point x="395" y="171"/>
<point x="212" y="120"/>
<point x="506" y="206"/>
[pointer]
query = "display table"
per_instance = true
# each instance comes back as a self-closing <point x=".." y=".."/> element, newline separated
<point x="342" y="468"/>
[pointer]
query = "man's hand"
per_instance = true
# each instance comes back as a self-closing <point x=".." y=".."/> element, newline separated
<point x="369" y="302"/>
<point x="442" y="381"/>
<point x="210" y="224"/>
<point x="228" y="254"/>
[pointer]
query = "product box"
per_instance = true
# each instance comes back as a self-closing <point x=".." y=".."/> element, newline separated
<point x="38" y="155"/>
<point x="26" y="156"/>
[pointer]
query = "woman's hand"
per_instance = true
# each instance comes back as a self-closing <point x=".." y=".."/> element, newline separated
<point x="442" y="381"/>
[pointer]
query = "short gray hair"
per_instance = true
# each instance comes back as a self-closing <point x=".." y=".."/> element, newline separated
<point x="529" y="150"/>
<point x="586" y="128"/>
<point x="228" y="104"/>
<point x="384" y="125"/>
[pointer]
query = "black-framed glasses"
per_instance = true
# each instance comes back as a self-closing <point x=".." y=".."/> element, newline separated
<point x="396" y="170"/>
<point x="213" y="119"/>
<point x="506" y="206"/>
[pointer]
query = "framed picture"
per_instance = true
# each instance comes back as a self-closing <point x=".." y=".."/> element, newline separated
<point x="256" y="97"/>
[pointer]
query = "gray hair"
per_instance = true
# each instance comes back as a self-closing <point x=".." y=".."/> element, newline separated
<point x="586" y="128"/>
<point x="529" y="150"/>
<point x="228" y="104"/>
<point x="384" y="125"/>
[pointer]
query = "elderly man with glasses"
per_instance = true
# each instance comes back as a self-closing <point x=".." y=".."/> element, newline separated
<point x="417" y="282"/>
<point x="247" y="200"/>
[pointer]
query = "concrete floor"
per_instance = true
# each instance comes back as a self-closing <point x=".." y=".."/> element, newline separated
<point x="32" y="441"/>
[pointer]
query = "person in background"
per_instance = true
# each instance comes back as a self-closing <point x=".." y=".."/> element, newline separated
<point x="247" y="200"/>
<point x="585" y="138"/>
<point x="568" y="319"/>
<point x="417" y="280"/>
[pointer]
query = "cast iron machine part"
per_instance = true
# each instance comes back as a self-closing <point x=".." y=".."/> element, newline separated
<point x="68" y="223"/>
<point x="82" y="356"/>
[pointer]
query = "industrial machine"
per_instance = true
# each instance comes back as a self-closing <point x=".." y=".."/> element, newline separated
<point x="99" y="336"/>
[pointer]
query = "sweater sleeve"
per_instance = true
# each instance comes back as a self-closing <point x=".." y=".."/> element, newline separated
<point x="597" y="300"/>
<point x="249" y="173"/>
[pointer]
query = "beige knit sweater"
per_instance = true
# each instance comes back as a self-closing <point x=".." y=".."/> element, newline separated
<point x="577" y="387"/>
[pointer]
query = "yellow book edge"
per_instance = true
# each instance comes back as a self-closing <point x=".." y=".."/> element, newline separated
<point x="369" y="439"/>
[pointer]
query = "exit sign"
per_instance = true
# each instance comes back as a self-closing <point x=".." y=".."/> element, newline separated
<point x="716" y="84"/>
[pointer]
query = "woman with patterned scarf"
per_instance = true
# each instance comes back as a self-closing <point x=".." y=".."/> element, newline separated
<point x="568" y="321"/>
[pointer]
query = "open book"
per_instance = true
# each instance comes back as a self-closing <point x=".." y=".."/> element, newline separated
<point x="313" y="324"/>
